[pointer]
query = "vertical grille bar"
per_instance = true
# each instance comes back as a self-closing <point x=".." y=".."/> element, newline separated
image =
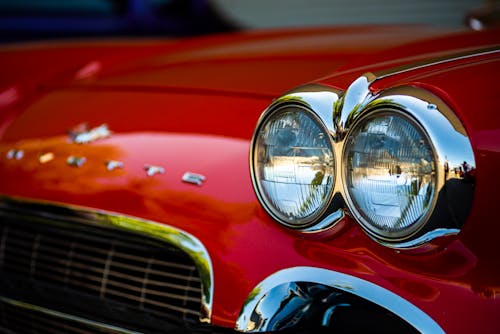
<point x="145" y="283"/>
<point x="3" y="240"/>
<point x="105" y="274"/>
<point x="34" y="254"/>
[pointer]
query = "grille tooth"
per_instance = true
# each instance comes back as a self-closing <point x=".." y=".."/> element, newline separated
<point x="125" y="273"/>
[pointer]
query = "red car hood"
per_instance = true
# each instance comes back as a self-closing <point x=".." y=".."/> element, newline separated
<point x="264" y="63"/>
<point x="257" y="66"/>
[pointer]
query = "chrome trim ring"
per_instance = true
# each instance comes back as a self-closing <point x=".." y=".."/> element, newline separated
<point x="313" y="103"/>
<point x="351" y="284"/>
<point x="165" y="233"/>
<point x="376" y="231"/>
<point x="451" y="146"/>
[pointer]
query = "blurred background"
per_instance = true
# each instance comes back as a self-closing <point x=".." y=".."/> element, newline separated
<point x="41" y="19"/>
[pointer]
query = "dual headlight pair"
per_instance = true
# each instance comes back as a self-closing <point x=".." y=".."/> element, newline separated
<point x="397" y="162"/>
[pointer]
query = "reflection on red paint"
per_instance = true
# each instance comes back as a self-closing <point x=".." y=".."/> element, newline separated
<point x="9" y="97"/>
<point x="89" y="71"/>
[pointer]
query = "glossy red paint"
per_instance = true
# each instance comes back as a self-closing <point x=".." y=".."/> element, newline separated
<point x="193" y="105"/>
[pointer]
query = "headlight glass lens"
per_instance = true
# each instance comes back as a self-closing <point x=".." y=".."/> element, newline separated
<point x="293" y="165"/>
<point x="390" y="174"/>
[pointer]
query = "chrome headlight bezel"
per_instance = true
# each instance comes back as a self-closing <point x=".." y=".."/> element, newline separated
<point x="284" y="106"/>
<point x="340" y="113"/>
<point x="370" y="227"/>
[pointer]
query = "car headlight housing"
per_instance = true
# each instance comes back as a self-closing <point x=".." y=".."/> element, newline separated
<point x="390" y="174"/>
<point x="293" y="164"/>
<point x="398" y="161"/>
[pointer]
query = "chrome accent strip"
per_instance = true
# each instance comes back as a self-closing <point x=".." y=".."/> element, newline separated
<point x="322" y="100"/>
<point x="429" y="236"/>
<point x="351" y="284"/>
<point x="379" y="75"/>
<point x="326" y="223"/>
<point x="193" y="178"/>
<point x="159" y="231"/>
<point x="95" y="324"/>
<point x="351" y="105"/>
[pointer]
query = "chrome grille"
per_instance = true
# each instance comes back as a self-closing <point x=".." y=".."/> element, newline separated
<point x="96" y="271"/>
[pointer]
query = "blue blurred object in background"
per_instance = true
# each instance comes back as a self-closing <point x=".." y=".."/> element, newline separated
<point x="42" y="19"/>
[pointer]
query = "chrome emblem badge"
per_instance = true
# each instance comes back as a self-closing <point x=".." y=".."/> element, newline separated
<point x="46" y="157"/>
<point x="153" y="170"/>
<point x="193" y="178"/>
<point x="75" y="161"/>
<point x="82" y="135"/>
<point x="113" y="164"/>
<point x="15" y="154"/>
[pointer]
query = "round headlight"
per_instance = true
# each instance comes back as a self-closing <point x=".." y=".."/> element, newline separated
<point x="293" y="165"/>
<point x="390" y="174"/>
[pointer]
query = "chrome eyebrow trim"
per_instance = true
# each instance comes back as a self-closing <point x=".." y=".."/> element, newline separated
<point x="77" y="320"/>
<point x="351" y="284"/>
<point x="158" y="231"/>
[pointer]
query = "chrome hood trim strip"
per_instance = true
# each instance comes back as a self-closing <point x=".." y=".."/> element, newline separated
<point x="171" y="235"/>
<point x="412" y="66"/>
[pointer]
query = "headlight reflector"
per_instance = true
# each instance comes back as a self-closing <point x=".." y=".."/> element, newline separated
<point x="293" y="165"/>
<point x="390" y="174"/>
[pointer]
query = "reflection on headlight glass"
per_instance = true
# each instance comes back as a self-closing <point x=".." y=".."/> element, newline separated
<point x="390" y="174"/>
<point x="294" y="166"/>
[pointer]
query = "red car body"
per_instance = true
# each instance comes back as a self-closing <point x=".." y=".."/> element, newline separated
<point x="192" y="106"/>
